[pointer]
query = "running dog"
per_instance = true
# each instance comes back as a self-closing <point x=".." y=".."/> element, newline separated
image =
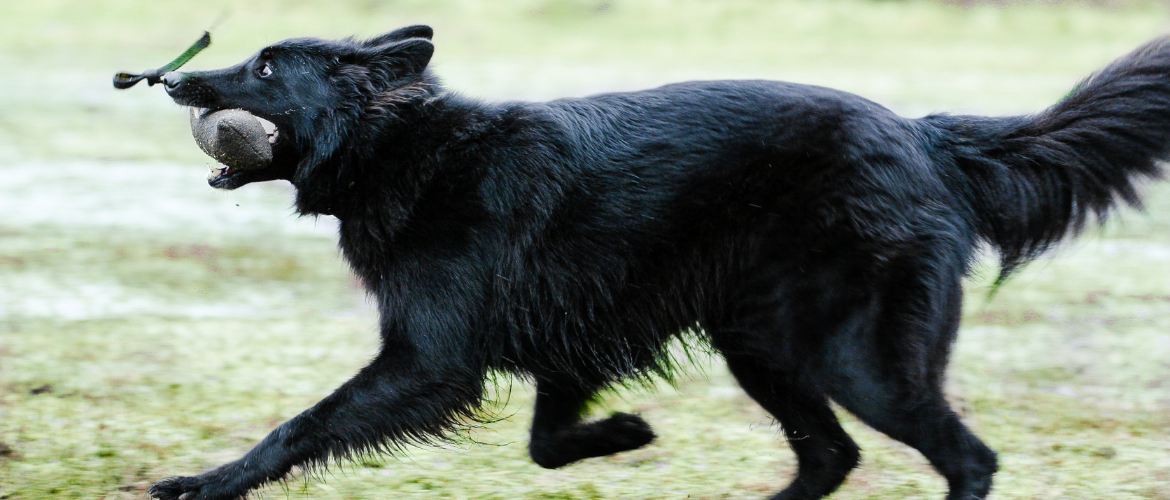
<point x="813" y="238"/>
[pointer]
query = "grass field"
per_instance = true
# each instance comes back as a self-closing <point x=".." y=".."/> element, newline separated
<point x="150" y="326"/>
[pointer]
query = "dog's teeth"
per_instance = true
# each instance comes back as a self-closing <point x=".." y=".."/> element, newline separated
<point x="215" y="172"/>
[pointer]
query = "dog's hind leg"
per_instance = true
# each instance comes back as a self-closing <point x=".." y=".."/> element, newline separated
<point x="770" y="338"/>
<point x="559" y="437"/>
<point x="899" y="391"/>
<point x="825" y="453"/>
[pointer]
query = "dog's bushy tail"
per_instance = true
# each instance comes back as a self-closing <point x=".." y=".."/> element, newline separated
<point x="1032" y="180"/>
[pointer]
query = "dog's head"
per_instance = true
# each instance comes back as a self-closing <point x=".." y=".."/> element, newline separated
<point x="314" y="91"/>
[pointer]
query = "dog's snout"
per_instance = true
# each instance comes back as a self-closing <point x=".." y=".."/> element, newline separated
<point x="173" y="80"/>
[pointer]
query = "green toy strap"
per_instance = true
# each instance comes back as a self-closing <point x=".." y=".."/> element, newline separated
<point x="127" y="80"/>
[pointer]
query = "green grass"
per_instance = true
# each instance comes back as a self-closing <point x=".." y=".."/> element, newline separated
<point x="150" y="326"/>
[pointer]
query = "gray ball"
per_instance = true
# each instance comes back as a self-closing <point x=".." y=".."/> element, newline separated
<point x="233" y="137"/>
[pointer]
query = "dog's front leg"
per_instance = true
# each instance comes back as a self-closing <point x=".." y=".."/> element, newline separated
<point x="560" y="438"/>
<point x="407" y="394"/>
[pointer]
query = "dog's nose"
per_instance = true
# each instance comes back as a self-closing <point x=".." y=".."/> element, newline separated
<point x="172" y="80"/>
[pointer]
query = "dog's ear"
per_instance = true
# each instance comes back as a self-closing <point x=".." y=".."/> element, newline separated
<point x="372" y="70"/>
<point x="377" y="68"/>
<point x="416" y="31"/>
<point x="400" y="58"/>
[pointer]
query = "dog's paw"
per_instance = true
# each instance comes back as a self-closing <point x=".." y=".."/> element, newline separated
<point x="624" y="432"/>
<point x="620" y="432"/>
<point x="213" y="485"/>
<point x="177" y="488"/>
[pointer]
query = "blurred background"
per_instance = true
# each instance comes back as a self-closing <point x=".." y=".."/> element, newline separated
<point x="150" y="326"/>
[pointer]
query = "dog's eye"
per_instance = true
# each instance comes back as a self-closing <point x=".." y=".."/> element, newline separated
<point x="265" y="71"/>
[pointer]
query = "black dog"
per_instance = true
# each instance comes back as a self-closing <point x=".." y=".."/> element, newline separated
<point x="813" y="238"/>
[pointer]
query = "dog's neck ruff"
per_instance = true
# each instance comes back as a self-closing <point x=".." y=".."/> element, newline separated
<point x="387" y="152"/>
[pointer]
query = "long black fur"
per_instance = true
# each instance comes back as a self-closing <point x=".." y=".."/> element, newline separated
<point x="812" y="237"/>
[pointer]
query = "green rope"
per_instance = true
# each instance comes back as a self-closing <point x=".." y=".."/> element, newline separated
<point x="127" y="80"/>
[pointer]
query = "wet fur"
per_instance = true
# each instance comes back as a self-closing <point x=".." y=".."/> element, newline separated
<point x="812" y="237"/>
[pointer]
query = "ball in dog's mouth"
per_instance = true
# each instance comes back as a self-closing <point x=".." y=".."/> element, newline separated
<point x="235" y="138"/>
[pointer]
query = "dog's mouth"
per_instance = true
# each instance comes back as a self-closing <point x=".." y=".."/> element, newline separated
<point x="220" y="173"/>
<point x="226" y="176"/>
